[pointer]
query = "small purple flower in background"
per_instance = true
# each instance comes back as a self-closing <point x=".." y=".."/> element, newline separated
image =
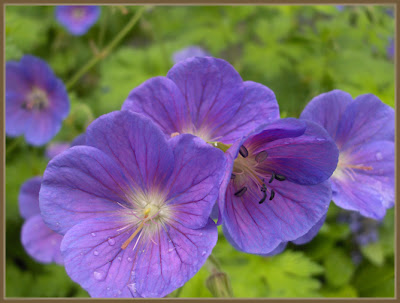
<point x="133" y="207"/>
<point x="57" y="148"/>
<point x="363" y="130"/>
<point x="340" y="7"/>
<point x="205" y="97"/>
<point x="77" y="19"/>
<point x="390" y="49"/>
<point x="39" y="241"/>
<point x="36" y="100"/>
<point x="188" y="52"/>
<point x="275" y="188"/>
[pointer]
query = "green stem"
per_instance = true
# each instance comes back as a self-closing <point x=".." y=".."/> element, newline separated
<point x="178" y="292"/>
<point x="104" y="53"/>
<point x="212" y="264"/>
<point x="13" y="145"/>
<point x="102" y="31"/>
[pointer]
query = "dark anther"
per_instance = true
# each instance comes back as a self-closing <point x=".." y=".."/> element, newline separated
<point x="241" y="192"/>
<point x="260" y="157"/>
<point x="233" y="176"/>
<point x="23" y="106"/>
<point x="272" y="194"/>
<point x="243" y="151"/>
<point x="272" y="178"/>
<point x="264" y="190"/>
<point x="280" y="177"/>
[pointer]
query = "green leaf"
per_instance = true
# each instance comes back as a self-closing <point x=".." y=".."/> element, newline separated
<point x="374" y="281"/>
<point x="374" y="253"/>
<point x="338" y="267"/>
<point x="346" y="291"/>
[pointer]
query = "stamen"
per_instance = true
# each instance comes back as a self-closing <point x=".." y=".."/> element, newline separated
<point x="272" y="194"/>
<point x="129" y="240"/>
<point x="280" y="177"/>
<point x="243" y="151"/>
<point x="260" y="157"/>
<point x="272" y="178"/>
<point x="264" y="190"/>
<point x="241" y="192"/>
<point x="233" y="176"/>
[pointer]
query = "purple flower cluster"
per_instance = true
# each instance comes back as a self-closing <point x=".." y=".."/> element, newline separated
<point x="133" y="201"/>
<point x="36" y="100"/>
<point x="77" y="19"/>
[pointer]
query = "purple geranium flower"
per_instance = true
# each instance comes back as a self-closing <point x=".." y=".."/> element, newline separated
<point x="39" y="241"/>
<point x="36" y="100"/>
<point x="363" y="130"/>
<point x="275" y="190"/>
<point x="57" y="148"/>
<point x="205" y="97"/>
<point x="188" y="52"/>
<point x="77" y="19"/>
<point x="133" y="207"/>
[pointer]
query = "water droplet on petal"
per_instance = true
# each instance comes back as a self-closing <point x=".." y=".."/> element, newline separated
<point x="171" y="249"/>
<point x="201" y="234"/>
<point x="119" y="258"/>
<point x="203" y="253"/>
<point x="111" y="241"/>
<point x="132" y="288"/>
<point x="108" y="288"/>
<point x="99" y="275"/>
<point x="96" y="253"/>
<point x="93" y="234"/>
<point x="379" y="156"/>
<point x="58" y="224"/>
<point x="129" y="259"/>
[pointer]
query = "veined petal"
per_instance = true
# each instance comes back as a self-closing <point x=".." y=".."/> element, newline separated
<point x="151" y="268"/>
<point x="28" y="198"/>
<point x="366" y="119"/>
<point x="40" y="242"/>
<point x="41" y="128"/>
<point x="307" y="159"/>
<point x="16" y="117"/>
<point x="311" y="233"/>
<point x="327" y="109"/>
<point x="136" y="144"/>
<point x="161" y="100"/>
<point x="194" y="184"/>
<point x="78" y="184"/>
<point x="364" y="179"/>
<point x="260" y="228"/>
<point x="213" y="92"/>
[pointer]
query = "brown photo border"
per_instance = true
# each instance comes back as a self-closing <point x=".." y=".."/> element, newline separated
<point x="4" y="3"/>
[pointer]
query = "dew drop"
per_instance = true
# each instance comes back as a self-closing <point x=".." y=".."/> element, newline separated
<point x="201" y="234"/>
<point x="203" y="253"/>
<point x="99" y="275"/>
<point x="96" y="253"/>
<point x="129" y="259"/>
<point x="379" y="156"/>
<point x="119" y="258"/>
<point x="108" y="288"/>
<point x="111" y="241"/>
<point x="132" y="288"/>
<point x="171" y="249"/>
<point x="93" y="234"/>
<point x="58" y="224"/>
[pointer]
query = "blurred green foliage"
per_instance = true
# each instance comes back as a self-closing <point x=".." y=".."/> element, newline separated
<point x="297" y="51"/>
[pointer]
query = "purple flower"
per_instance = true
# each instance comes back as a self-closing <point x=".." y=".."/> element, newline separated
<point x="188" y="52"/>
<point x="275" y="190"/>
<point x="340" y="7"/>
<point x="77" y="19"/>
<point x="36" y="100"/>
<point x="205" y="97"/>
<point x="39" y="241"/>
<point x="363" y="130"/>
<point x="133" y="206"/>
<point x="57" y="148"/>
<point x="390" y="49"/>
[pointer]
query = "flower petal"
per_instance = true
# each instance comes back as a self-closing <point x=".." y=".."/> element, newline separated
<point x="80" y="174"/>
<point x="38" y="73"/>
<point x="311" y="233"/>
<point x="42" y="127"/>
<point x="137" y="144"/>
<point x="16" y="81"/>
<point x="194" y="184"/>
<point x="365" y="119"/>
<point x="40" y="242"/>
<point x="259" y="106"/>
<point x="153" y="268"/>
<point x="213" y="93"/>
<point x="260" y="228"/>
<point x="161" y="100"/>
<point x="368" y="191"/>
<point x="307" y="159"/>
<point x="28" y="198"/>
<point x="327" y="110"/>
<point x="17" y="118"/>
